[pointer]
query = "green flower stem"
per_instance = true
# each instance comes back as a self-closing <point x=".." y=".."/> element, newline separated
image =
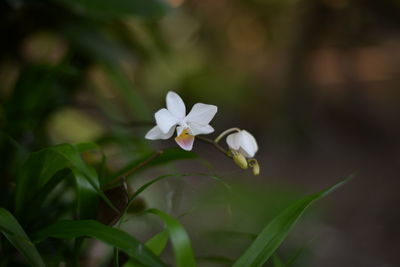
<point x="214" y="143"/>
<point x="225" y="133"/>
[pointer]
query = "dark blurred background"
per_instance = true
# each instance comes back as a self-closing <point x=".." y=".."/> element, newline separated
<point x="316" y="81"/>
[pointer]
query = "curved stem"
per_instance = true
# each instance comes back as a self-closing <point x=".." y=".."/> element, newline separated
<point x="225" y="133"/>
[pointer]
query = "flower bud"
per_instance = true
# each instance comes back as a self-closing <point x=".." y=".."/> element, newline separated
<point x="239" y="159"/>
<point x="256" y="169"/>
<point x="253" y="163"/>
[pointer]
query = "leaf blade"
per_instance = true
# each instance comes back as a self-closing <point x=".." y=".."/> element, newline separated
<point x="276" y="231"/>
<point x="179" y="238"/>
<point x="13" y="231"/>
<point x="115" y="237"/>
<point x="158" y="242"/>
<point x="42" y="165"/>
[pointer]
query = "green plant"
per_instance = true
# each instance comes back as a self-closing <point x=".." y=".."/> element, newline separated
<point x="61" y="168"/>
<point x="58" y="194"/>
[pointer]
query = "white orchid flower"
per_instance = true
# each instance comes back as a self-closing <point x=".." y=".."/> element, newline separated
<point x="243" y="142"/>
<point x="187" y="126"/>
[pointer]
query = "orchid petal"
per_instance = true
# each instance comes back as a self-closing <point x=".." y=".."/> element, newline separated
<point x="175" y="105"/>
<point x="233" y="141"/>
<point x="155" y="133"/>
<point x="197" y="129"/>
<point x="244" y="142"/>
<point x="201" y="114"/>
<point x="165" y="120"/>
<point x="248" y="143"/>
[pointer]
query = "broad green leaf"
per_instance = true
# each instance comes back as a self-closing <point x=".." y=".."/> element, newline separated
<point x="45" y="191"/>
<point x="35" y="173"/>
<point x="112" y="236"/>
<point x="12" y="230"/>
<point x="276" y="231"/>
<point x="88" y="146"/>
<point x="87" y="196"/>
<point x="179" y="239"/>
<point x="41" y="166"/>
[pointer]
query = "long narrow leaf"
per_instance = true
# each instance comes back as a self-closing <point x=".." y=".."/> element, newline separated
<point x="12" y="230"/>
<point x="179" y="239"/>
<point x="158" y="242"/>
<point x="112" y="236"/>
<point x="292" y="260"/>
<point x="276" y="231"/>
<point x="277" y="260"/>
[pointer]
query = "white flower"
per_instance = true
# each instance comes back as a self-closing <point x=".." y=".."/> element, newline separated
<point x="187" y="126"/>
<point x="243" y="142"/>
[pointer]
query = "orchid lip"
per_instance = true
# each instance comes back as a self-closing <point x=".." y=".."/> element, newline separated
<point x="185" y="140"/>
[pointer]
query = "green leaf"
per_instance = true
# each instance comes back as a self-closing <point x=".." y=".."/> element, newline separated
<point x="295" y="256"/>
<point x="88" y="146"/>
<point x="158" y="242"/>
<point x="112" y="236"/>
<point x="87" y="196"/>
<point x="41" y="166"/>
<point x="34" y="174"/>
<point x="45" y="191"/>
<point x="179" y="239"/>
<point x="276" y="231"/>
<point x="12" y="230"/>
<point x="276" y="260"/>
<point x="177" y="234"/>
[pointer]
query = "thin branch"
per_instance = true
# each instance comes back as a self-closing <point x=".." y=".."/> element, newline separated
<point x="212" y="142"/>
<point x="137" y="167"/>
